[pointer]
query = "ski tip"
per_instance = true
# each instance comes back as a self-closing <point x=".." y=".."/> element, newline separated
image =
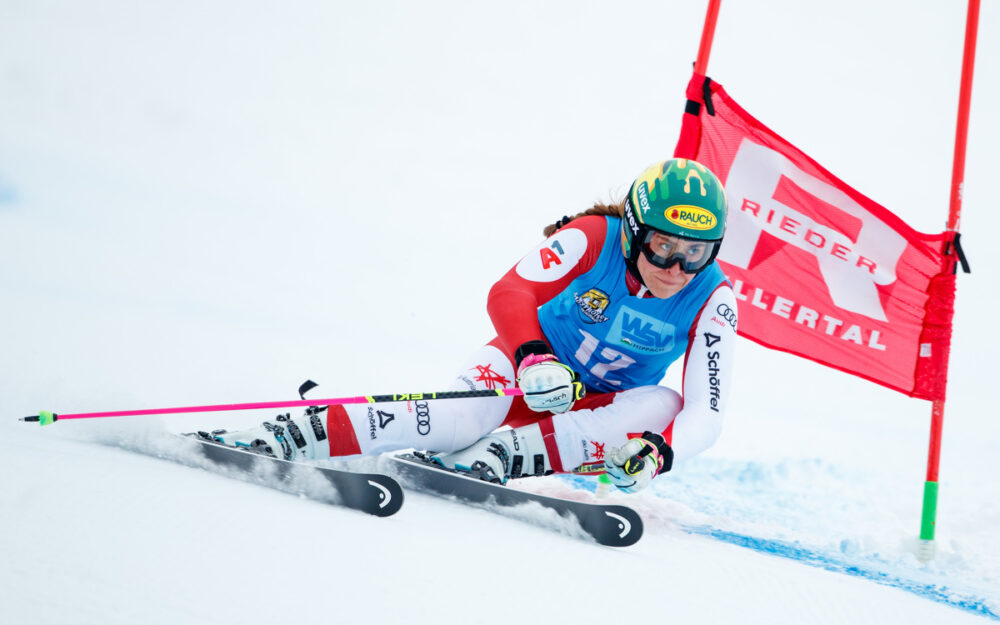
<point x="42" y="418"/>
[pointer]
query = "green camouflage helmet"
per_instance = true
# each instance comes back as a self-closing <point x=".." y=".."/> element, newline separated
<point x="679" y="197"/>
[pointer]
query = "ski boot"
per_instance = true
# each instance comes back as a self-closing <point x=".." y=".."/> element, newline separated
<point x="281" y="437"/>
<point x="501" y="455"/>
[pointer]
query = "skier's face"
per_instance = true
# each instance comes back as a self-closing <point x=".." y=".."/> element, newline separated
<point x="663" y="283"/>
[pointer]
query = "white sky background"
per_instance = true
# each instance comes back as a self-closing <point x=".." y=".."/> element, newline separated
<point x="209" y="202"/>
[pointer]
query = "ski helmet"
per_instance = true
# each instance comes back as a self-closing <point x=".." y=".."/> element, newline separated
<point x="683" y="200"/>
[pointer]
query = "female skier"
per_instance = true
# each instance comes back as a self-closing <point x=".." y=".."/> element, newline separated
<point x="587" y="324"/>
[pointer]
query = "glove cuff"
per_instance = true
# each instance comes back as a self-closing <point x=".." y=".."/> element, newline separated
<point x="534" y="359"/>
<point x="537" y="347"/>
<point x="663" y="448"/>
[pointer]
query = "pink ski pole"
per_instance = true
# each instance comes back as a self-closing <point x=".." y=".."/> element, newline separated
<point x="45" y="418"/>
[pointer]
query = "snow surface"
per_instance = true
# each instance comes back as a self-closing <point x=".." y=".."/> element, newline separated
<point x="209" y="202"/>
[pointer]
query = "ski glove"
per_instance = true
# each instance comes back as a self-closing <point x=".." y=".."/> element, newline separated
<point x="632" y="466"/>
<point x="548" y="385"/>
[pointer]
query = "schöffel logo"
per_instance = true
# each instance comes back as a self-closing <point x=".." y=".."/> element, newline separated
<point x="714" y="391"/>
<point x="690" y="217"/>
<point x="384" y="418"/>
<point x="372" y="432"/>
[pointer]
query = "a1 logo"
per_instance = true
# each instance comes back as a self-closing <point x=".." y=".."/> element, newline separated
<point x="555" y="257"/>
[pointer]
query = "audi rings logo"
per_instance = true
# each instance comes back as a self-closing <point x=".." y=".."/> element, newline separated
<point x="423" y="418"/>
<point x="727" y="313"/>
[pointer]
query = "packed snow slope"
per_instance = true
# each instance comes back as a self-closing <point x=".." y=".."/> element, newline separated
<point x="208" y="202"/>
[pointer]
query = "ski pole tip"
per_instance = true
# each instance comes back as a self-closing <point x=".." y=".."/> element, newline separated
<point x="42" y="418"/>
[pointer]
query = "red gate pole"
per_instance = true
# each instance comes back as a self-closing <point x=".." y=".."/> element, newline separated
<point x="707" y="34"/>
<point x="929" y="515"/>
<point x="687" y="142"/>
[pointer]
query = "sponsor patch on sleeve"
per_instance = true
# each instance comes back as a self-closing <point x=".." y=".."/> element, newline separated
<point x="555" y="257"/>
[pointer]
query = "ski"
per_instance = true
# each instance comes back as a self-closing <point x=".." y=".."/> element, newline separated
<point x="374" y="493"/>
<point x="611" y="525"/>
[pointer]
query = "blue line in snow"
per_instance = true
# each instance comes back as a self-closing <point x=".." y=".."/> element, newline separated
<point x="940" y="594"/>
<point x="955" y="598"/>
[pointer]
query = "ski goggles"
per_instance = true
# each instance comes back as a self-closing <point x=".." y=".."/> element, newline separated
<point x="665" y="251"/>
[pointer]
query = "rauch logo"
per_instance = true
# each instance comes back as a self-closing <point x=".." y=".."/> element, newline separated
<point x="690" y="217"/>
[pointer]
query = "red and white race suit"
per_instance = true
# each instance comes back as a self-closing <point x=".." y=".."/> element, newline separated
<point x="575" y="441"/>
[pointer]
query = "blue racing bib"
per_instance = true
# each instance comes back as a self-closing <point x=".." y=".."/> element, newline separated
<point x="615" y="340"/>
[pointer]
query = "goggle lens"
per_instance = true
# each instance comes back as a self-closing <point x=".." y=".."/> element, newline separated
<point x="664" y="251"/>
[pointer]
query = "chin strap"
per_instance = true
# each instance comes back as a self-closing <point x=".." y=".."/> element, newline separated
<point x="634" y="281"/>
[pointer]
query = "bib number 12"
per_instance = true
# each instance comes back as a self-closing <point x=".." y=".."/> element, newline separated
<point x="614" y="359"/>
